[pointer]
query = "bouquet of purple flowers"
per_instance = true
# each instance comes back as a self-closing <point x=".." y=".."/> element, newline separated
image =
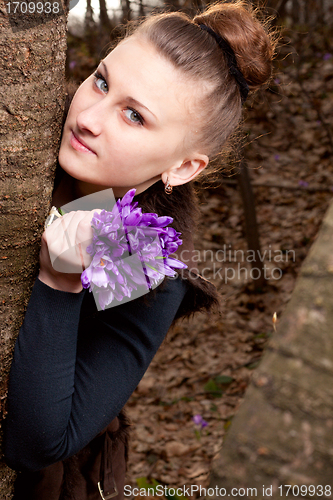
<point x="130" y="250"/>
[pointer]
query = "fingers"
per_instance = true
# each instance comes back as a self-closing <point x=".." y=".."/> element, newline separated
<point x="67" y="240"/>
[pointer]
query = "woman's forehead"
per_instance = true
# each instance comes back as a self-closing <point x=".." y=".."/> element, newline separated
<point x="138" y="69"/>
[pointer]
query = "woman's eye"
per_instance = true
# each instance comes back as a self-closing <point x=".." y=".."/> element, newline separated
<point x="133" y="116"/>
<point x="100" y="82"/>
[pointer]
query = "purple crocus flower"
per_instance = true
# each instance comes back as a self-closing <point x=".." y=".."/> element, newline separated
<point x="303" y="183"/>
<point x="130" y="249"/>
<point x="199" y="421"/>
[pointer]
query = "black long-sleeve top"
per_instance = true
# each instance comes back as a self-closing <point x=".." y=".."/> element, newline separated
<point x="75" y="368"/>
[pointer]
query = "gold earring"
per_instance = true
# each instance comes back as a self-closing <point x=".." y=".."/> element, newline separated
<point x="168" y="188"/>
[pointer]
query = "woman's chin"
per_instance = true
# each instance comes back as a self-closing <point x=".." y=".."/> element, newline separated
<point x="70" y="168"/>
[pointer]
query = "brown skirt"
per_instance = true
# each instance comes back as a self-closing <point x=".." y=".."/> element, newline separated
<point x="95" y="472"/>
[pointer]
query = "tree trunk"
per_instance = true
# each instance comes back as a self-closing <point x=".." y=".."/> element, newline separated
<point x="280" y="442"/>
<point x="32" y="64"/>
<point x="126" y="10"/>
<point x="251" y="226"/>
<point x="104" y="18"/>
<point x="89" y="23"/>
<point x="141" y="9"/>
<point x="91" y="30"/>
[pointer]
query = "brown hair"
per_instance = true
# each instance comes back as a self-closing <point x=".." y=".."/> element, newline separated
<point x="179" y="38"/>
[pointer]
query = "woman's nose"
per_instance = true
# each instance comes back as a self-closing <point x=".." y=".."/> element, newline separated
<point x="92" y="118"/>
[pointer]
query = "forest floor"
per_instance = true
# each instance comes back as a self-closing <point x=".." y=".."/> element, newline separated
<point x="206" y="363"/>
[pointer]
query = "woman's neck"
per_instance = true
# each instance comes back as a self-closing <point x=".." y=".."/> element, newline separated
<point x="64" y="191"/>
<point x="70" y="189"/>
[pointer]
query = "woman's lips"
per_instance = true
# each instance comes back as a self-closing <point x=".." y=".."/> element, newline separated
<point x="79" y="145"/>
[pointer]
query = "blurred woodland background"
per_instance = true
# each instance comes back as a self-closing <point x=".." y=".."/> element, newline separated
<point x="287" y="148"/>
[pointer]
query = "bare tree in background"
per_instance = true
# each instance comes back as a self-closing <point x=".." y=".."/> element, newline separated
<point x="126" y="10"/>
<point x="141" y="9"/>
<point x="104" y="18"/>
<point x="89" y="23"/>
<point x="300" y="12"/>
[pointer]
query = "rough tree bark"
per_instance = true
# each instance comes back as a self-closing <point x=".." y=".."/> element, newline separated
<point x="32" y="67"/>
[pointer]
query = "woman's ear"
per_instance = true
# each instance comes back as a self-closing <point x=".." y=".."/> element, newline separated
<point x="186" y="171"/>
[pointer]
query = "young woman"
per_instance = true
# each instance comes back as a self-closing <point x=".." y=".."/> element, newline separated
<point x="159" y="106"/>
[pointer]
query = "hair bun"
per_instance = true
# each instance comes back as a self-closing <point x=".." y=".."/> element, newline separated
<point x="253" y="45"/>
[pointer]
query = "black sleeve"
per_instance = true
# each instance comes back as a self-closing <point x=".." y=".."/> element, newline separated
<point x="70" y="377"/>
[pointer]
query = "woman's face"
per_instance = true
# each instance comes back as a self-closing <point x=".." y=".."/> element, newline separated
<point x="128" y="123"/>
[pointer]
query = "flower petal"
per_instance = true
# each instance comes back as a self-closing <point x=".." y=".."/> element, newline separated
<point x="127" y="198"/>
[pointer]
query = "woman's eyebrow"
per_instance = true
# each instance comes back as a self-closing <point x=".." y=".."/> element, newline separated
<point x="106" y="69"/>
<point x="131" y="100"/>
<point x="138" y="104"/>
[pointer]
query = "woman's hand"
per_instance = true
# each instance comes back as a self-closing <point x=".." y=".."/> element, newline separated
<point x="63" y="255"/>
